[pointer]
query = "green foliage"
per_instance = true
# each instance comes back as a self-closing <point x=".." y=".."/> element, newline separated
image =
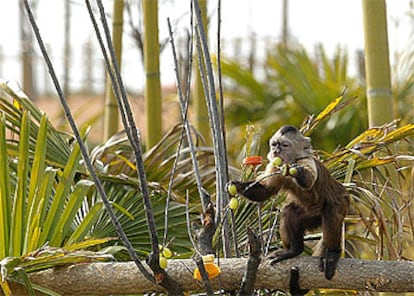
<point x="39" y="194"/>
<point x="376" y="168"/>
<point x="115" y="160"/>
<point x="295" y="86"/>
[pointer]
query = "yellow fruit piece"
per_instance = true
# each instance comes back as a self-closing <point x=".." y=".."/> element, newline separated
<point x="233" y="203"/>
<point x="293" y="171"/>
<point x="232" y="189"/>
<point x="277" y="161"/>
<point x="163" y="262"/>
<point x="208" y="258"/>
<point x="212" y="270"/>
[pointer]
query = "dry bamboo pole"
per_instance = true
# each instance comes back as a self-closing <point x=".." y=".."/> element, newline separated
<point x="153" y="104"/>
<point x="377" y="65"/>
<point x="200" y="108"/>
<point x="111" y="115"/>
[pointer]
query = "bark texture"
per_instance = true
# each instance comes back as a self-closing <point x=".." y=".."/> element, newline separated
<point x="124" y="278"/>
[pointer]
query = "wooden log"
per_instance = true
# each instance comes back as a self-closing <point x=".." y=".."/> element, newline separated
<point x="124" y="278"/>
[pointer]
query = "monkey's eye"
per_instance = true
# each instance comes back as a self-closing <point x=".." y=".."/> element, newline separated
<point x="274" y="144"/>
<point x="285" y="145"/>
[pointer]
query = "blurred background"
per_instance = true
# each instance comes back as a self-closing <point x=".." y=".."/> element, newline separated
<point x="249" y="29"/>
<point x="277" y="59"/>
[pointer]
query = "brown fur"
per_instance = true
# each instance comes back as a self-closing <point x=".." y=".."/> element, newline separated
<point x="314" y="198"/>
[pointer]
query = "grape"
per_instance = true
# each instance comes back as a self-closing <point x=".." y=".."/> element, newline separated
<point x="163" y="262"/>
<point x="277" y="161"/>
<point x="232" y="189"/>
<point x="293" y="171"/>
<point x="234" y="203"/>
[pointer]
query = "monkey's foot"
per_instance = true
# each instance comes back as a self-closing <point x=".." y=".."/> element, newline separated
<point x="281" y="255"/>
<point x="328" y="263"/>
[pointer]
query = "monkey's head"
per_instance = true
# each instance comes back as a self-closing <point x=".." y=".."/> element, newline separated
<point x="289" y="144"/>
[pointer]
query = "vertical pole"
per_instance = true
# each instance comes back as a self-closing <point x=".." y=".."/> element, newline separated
<point x="377" y="65"/>
<point x="26" y="55"/>
<point x="111" y="115"/>
<point x="200" y="108"/>
<point x="153" y="103"/>
<point x="66" y="50"/>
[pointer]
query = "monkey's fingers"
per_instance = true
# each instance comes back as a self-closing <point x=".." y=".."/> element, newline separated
<point x="321" y="264"/>
<point x="328" y="264"/>
<point x="234" y="188"/>
<point x="284" y="169"/>
<point x="330" y="268"/>
<point x="278" y="256"/>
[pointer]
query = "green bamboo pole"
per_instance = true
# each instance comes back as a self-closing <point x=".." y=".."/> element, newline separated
<point x="153" y="104"/>
<point x="377" y="65"/>
<point x="200" y="107"/>
<point x="111" y="115"/>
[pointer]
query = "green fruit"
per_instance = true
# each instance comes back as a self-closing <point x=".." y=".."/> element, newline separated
<point x="293" y="171"/>
<point x="284" y="169"/>
<point x="277" y="161"/>
<point x="232" y="189"/>
<point x="166" y="252"/>
<point x="163" y="262"/>
<point x="233" y="203"/>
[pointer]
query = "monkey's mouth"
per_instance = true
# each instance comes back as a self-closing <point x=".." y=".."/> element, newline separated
<point x="281" y="157"/>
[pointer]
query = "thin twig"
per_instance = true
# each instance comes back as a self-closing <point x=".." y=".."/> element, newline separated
<point x="83" y="149"/>
<point x="188" y="220"/>
<point x="249" y="277"/>
<point x="170" y="185"/>
<point x="133" y="136"/>
<point x="204" y="276"/>
<point x="184" y="114"/>
<point x="223" y="128"/>
<point x="272" y="229"/>
<point x="218" y="141"/>
<point x="131" y="130"/>
<point x="259" y="214"/>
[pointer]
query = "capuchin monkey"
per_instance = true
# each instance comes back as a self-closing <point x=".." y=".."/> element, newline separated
<point x="314" y="198"/>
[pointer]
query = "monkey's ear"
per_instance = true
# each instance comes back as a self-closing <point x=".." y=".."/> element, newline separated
<point x="307" y="143"/>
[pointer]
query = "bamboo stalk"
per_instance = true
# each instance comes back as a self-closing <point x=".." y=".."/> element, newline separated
<point x="111" y="115"/>
<point x="377" y="65"/>
<point x="153" y="104"/>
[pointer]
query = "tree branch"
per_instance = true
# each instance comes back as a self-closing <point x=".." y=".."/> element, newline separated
<point x="123" y="278"/>
<point x="249" y="277"/>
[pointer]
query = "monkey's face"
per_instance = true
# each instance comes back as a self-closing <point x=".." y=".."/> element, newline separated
<point x="289" y="144"/>
<point x="280" y="146"/>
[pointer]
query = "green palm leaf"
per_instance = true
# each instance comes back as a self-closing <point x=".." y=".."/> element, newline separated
<point x="5" y="189"/>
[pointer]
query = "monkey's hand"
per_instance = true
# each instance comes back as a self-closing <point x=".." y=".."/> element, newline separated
<point x="234" y="187"/>
<point x="328" y="263"/>
<point x="252" y="190"/>
<point x="299" y="173"/>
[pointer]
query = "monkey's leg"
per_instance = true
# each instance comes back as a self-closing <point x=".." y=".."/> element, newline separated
<point x="291" y="232"/>
<point x="331" y="244"/>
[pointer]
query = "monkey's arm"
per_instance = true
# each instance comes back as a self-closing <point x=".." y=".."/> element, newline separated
<point x="263" y="188"/>
<point x="252" y="190"/>
<point x="305" y="172"/>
